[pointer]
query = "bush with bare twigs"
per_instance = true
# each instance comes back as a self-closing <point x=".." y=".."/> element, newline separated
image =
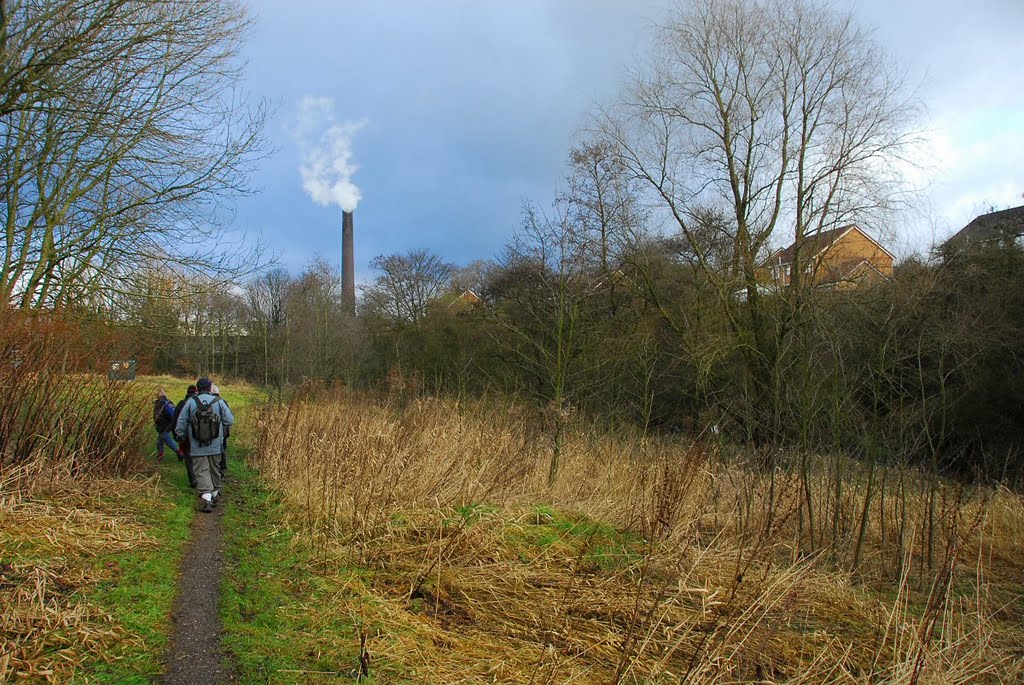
<point x="56" y="418"/>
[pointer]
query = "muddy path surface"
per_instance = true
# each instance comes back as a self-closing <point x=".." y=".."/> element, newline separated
<point x="195" y="656"/>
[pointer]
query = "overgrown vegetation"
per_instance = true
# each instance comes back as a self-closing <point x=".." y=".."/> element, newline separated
<point x="640" y="297"/>
<point x="90" y="533"/>
<point x="612" y="454"/>
<point x="57" y="418"/>
<point x="650" y="560"/>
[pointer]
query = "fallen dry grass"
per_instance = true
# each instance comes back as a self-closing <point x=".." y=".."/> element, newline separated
<point x="647" y="561"/>
<point x="53" y="543"/>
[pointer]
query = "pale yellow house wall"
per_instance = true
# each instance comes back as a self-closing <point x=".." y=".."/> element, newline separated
<point x="851" y="249"/>
<point x="839" y="261"/>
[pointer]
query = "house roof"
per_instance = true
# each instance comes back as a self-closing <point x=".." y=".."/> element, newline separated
<point x="1007" y="223"/>
<point x="466" y="297"/>
<point x="814" y="245"/>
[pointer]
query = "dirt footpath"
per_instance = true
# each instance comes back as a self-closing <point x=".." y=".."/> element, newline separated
<point x="195" y="655"/>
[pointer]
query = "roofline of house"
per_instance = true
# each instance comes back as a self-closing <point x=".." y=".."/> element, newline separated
<point x="459" y="298"/>
<point x="844" y="230"/>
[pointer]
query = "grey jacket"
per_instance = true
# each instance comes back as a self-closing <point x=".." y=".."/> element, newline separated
<point x="227" y="419"/>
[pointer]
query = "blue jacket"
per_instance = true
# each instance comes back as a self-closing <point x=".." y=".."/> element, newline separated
<point x="227" y="419"/>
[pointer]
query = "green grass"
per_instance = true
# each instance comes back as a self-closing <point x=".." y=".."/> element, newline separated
<point x="279" y="606"/>
<point x="594" y="543"/>
<point x="275" y="629"/>
<point x="140" y="596"/>
<point x="471" y="513"/>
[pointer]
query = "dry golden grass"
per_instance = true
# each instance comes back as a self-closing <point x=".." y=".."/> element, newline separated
<point x="50" y="544"/>
<point x="647" y="561"/>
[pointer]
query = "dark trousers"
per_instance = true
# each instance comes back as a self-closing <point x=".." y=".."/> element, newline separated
<point x="224" y="457"/>
<point x="188" y="463"/>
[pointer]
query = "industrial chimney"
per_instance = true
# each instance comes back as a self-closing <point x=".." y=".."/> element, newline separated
<point x="348" y="277"/>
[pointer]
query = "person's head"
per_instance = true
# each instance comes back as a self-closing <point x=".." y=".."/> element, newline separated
<point x="214" y="389"/>
<point x="160" y="394"/>
<point x="203" y="385"/>
<point x="191" y="390"/>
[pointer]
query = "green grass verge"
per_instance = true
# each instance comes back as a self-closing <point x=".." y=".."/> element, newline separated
<point x="140" y="595"/>
<point x="279" y="606"/>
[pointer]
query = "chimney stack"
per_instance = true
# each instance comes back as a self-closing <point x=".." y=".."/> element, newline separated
<point x="348" y="277"/>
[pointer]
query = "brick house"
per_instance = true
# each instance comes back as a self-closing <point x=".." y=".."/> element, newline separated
<point x="840" y="258"/>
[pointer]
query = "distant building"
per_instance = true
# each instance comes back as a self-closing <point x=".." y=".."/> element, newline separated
<point x="1003" y="226"/>
<point x="465" y="301"/>
<point x="840" y="258"/>
<point x="468" y="297"/>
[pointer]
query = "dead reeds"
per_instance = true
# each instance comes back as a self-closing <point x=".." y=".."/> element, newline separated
<point x="647" y="561"/>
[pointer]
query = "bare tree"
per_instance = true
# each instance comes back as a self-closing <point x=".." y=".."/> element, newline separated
<point x="544" y="299"/>
<point x="320" y="343"/>
<point x="266" y="298"/>
<point x="602" y="200"/>
<point x="125" y="140"/>
<point x="783" y="117"/>
<point x="473" y="276"/>
<point x="406" y="285"/>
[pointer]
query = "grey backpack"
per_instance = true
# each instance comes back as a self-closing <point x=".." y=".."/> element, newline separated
<point x="205" y="422"/>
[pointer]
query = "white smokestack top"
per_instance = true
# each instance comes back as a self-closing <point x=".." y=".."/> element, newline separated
<point x="326" y="148"/>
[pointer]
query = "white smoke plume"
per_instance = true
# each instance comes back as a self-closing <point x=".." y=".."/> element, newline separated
<point x="326" y="149"/>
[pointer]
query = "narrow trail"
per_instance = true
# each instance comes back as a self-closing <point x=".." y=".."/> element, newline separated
<point x="195" y="655"/>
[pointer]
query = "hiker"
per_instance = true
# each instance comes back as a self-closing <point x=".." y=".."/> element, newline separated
<point x="227" y="433"/>
<point x="163" y="411"/>
<point x="183" y="444"/>
<point x="204" y="419"/>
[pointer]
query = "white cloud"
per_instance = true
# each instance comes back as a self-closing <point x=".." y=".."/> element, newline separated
<point x="979" y="151"/>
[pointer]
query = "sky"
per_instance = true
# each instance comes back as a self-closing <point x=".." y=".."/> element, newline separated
<point x="444" y="116"/>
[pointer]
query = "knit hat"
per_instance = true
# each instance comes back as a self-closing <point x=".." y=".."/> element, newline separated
<point x="203" y="384"/>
